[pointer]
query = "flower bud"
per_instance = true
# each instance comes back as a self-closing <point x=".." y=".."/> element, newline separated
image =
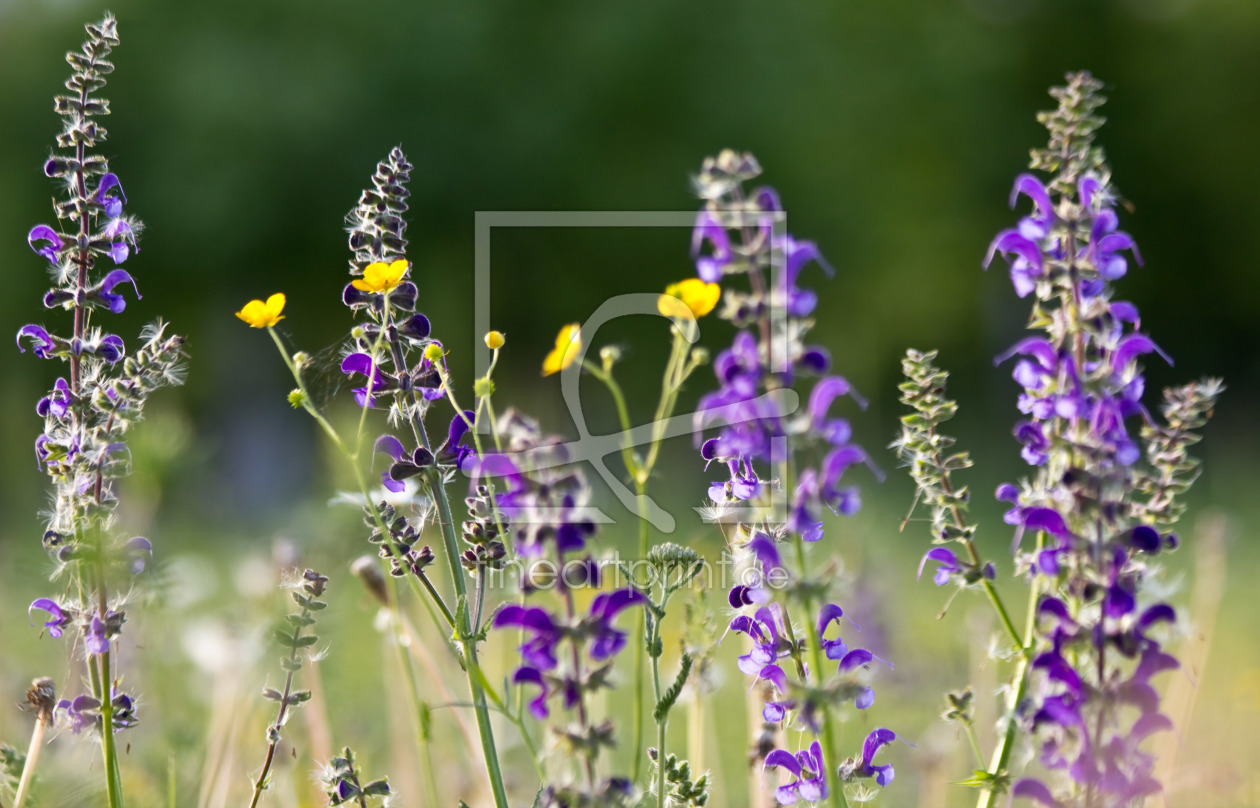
<point x="494" y="340"/>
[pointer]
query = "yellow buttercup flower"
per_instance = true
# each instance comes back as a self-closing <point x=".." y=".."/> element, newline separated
<point x="568" y="344"/>
<point x="381" y="277"/>
<point x="692" y="295"/>
<point x="263" y="315"/>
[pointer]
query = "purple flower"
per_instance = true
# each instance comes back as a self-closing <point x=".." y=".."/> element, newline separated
<point x="52" y="242"/>
<point x="57" y="618"/>
<point x="532" y="676"/>
<point x="111" y="203"/>
<point x="1105" y="245"/>
<point x="539" y="651"/>
<point x="828" y="614"/>
<point x="56" y="403"/>
<point x="1028" y="788"/>
<point x="710" y="268"/>
<point x="742" y="595"/>
<point x="808" y="770"/>
<point x="362" y="364"/>
<point x="104" y="291"/>
<point x="607" y="641"/>
<point x="768" y="646"/>
<point x="82" y="712"/>
<point x="139" y="552"/>
<point x="878" y="739"/>
<point x="404" y="466"/>
<point x="95" y="639"/>
<point x="41" y="343"/>
<point x="803" y="520"/>
<point x="947" y="564"/>
<point x="1026" y="265"/>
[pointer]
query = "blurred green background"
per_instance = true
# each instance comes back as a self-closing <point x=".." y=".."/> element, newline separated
<point x="243" y="132"/>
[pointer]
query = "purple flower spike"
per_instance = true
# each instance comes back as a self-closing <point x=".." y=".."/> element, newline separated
<point x="53" y="243"/>
<point x="57" y="617"/>
<point x="41" y="343"/>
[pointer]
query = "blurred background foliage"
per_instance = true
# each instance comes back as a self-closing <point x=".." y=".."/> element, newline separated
<point x="243" y="132"/>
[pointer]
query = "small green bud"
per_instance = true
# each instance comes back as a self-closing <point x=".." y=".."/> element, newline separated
<point x="483" y="387"/>
<point x="298" y="398"/>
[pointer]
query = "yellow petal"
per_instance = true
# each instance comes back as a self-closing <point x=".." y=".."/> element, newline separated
<point x="251" y="313"/>
<point x="361" y="285"/>
<point x="568" y="344"/>
<point x="696" y="295"/>
<point x="670" y="306"/>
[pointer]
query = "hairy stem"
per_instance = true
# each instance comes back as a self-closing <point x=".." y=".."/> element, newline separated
<point x="274" y="731"/>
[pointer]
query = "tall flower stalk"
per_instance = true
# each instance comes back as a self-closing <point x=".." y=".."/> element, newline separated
<point x="1103" y="493"/>
<point x="403" y="368"/>
<point x="85" y="418"/>
<point x="784" y="467"/>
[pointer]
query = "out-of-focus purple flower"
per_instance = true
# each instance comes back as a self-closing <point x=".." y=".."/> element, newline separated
<point x="83" y="712"/>
<point x="532" y="676"/>
<point x="57" y="618"/>
<point x="768" y="645"/>
<point x="1030" y="789"/>
<point x="139" y="552"/>
<point x="606" y="641"/>
<point x="947" y="564"/>
<point x="95" y="639"/>
<point x="711" y="267"/>
<point x="539" y="651"/>
<point x="808" y="770"/>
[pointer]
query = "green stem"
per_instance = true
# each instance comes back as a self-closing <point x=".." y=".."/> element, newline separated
<point x="975" y="742"/>
<point x="1002" y="753"/>
<point x="419" y="711"/>
<point x="834" y="789"/>
<point x="662" y="723"/>
<point x="437" y="491"/>
<point x="640" y="647"/>
<point x="113" y="777"/>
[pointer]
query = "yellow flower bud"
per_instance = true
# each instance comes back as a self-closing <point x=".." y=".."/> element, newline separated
<point x="494" y="340"/>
